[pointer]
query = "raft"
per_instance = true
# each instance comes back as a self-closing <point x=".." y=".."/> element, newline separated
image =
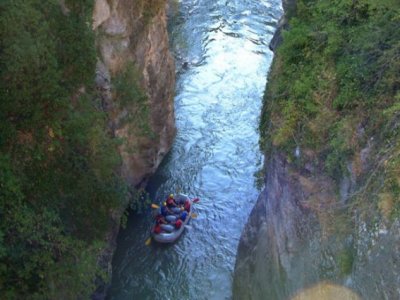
<point x="170" y="237"/>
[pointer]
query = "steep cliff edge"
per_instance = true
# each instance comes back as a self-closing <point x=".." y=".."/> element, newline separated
<point x="297" y="237"/>
<point x="134" y="55"/>
<point x="329" y="213"/>
<point x="136" y="76"/>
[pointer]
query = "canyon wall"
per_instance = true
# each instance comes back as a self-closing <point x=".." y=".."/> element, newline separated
<point x="299" y="235"/>
<point x="133" y="50"/>
<point x="326" y="225"/>
<point x="135" y="75"/>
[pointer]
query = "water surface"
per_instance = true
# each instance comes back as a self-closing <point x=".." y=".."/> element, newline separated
<point x="222" y="56"/>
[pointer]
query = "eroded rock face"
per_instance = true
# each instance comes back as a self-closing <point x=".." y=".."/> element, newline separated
<point x="308" y="236"/>
<point x="301" y="234"/>
<point x="101" y="12"/>
<point x="128" y="35"/>
<point x="271" y="260"/>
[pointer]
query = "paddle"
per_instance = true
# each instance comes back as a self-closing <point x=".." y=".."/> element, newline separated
<point x="148" y="242"/>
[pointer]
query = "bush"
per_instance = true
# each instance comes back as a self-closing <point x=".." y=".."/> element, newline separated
<point x="339" y="60"/>
<point x="58" y="161"/>
<point x="133" y="100"/>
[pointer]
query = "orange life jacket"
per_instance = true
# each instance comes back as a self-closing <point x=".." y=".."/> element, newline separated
<point x="157" y="229"/>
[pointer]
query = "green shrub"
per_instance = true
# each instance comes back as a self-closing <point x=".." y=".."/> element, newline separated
<point x="132" y="98"/>
<point x="58" y="161"/>
<point x="339" y="61"/>
<point x="345" y="260"/>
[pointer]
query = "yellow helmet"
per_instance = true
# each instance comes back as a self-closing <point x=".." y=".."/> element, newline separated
<point x="171" y="195"/>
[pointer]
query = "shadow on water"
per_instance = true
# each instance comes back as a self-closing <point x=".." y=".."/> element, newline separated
<point x="222" y="58"/>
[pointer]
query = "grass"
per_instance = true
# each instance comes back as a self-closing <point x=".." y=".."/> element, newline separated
<point x="335" y="73"/>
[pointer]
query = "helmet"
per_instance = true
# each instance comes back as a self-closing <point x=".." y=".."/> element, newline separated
<point x="171" y="195"/>
<point x="164" y="203"/>
<point x="183" y="216"/>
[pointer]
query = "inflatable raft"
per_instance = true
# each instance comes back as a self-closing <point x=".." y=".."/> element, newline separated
<point x="173" y="233"/>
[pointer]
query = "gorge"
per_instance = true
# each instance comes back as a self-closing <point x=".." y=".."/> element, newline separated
<point x="222" y="56"/>
<point x="114" y="104"/>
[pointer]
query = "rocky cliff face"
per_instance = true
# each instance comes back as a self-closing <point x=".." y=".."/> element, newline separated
<point x="133" y="48"/>
<point x="136" y="79"/>
<point x="297" y="237"/>
<point x="312" y="237"/>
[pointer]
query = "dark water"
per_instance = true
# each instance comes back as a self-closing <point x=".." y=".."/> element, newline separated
<point x="222" y="55"/>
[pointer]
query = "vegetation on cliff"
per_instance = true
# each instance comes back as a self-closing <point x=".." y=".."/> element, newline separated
<point x="57" y="158"/>
<point x="133" y="99"/>
<point x="333" y="94"/>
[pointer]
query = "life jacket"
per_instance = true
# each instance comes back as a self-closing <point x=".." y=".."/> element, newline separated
<point x="187" y="205"/>
<point x="178" y="224"/>
<point x="170" y="202"/>
<point x="157" y="229"/>
<point x="158" y="219"/>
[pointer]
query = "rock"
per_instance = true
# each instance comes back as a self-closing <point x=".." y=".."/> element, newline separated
<point x="101" y="12"/>
<point x="124" y="38"/>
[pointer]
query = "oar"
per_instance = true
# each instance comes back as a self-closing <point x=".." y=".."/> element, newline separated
<point x="195" y="200"/>
<point x="148" y="242"/>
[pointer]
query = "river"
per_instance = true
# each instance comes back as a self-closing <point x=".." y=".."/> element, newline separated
<point x="222" y="57"/>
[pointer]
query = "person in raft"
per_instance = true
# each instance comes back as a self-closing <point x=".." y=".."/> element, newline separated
<point x="162" y="224"/>
<point x="167" y="213"/>
<point x="172" y="205"/>
<point x="186" y="205"/>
